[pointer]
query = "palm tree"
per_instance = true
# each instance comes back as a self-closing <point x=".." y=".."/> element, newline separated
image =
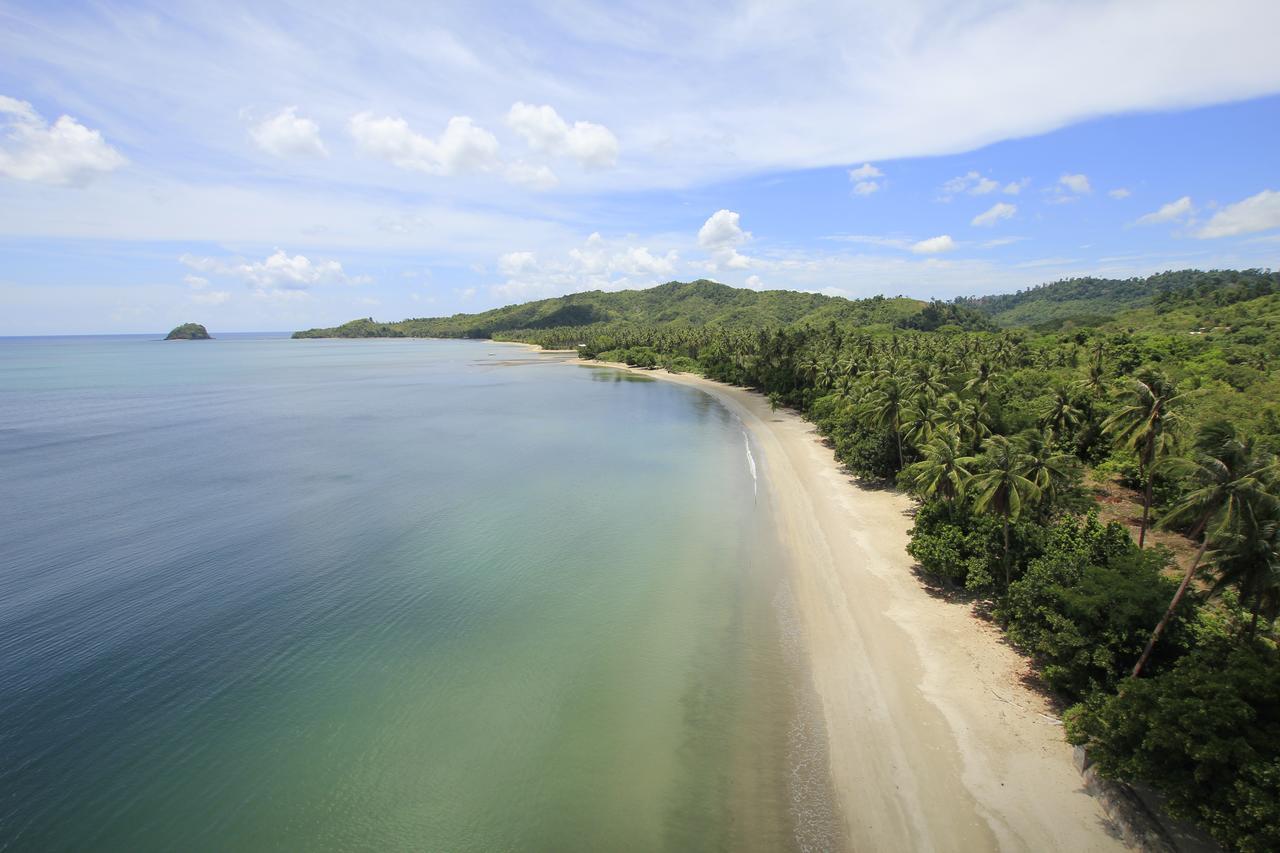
<point x="1230" y="479"/>
<point x="1060" y="413"/>
<point x="1002" y="486"/>
<point x="926" y="381"/>
<point x="1251" y="560"/>
<point x="1144" y="424"/>
<point x="944" y="470"/>
<point x="1049" y="468"/>
<point x="920" y="420"/>
<point x="884" y="407"/>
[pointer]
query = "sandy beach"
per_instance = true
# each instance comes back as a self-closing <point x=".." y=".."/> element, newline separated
<point x="934" y="742"/>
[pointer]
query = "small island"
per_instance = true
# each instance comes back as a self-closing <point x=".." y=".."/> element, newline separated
<point x="189" y="332"/>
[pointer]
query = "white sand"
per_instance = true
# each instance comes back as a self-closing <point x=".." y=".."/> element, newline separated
<point x="934" y="743"/>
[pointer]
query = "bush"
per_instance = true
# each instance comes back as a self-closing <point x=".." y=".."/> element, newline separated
<point x="1085" y="608"/>
<point x="955" y="545"/>
<point x="1206" y="734"/>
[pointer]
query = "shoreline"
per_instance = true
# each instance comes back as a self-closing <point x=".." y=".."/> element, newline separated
<point x="934" y="742"/>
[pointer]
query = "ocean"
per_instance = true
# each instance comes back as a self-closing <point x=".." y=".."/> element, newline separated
<point x="265" y="594"/>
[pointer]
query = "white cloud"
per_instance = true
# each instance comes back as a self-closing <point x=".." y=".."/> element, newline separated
<point x="722" y="234"/>
<point x="972" y="183"/>
<point x="1119" y="192"/>
<point x="286" y="134"/>
<point x="1170" y="212"/>
<point x="596" y="264"/>
<point x="196" y="282"/>
<point x="1259" y="212"/>
<point x="278" y="272"/>
<point x="514" y="263"/>
<point x="722" y="230"/>
<point x="462" y="147"/>
<point x="65" y="153"/>
<point x="1078" y="184"/>
<point x="1015" y="187"/>
<point x="999" y="210"/>
<point x="934" y="245"/>
<point x="593" y="145"/>
<point x="535" y="177"/>
<point x="754" y="283"/>
<point x="864" y="179"/>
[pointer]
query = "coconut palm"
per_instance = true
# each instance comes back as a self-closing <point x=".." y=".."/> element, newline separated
<point x="1002" y="486"/>
<point x="944" y="470"/>
<point x="1229" y="480"/>
<point x="920" y="420"/>
<point x="1060" y="412"/>
<point x="1049" y="468"/>
<point x="884" y="406"/>
<point x="1250" y="560"/>
<point x="1144" y="424"/>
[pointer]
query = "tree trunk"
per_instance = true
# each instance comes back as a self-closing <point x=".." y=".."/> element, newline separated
<point x="1006" y="553"/>
<point x="1146" y="511"/>
<point x="1168" y="614"/>
<point x="1253" y="623"/>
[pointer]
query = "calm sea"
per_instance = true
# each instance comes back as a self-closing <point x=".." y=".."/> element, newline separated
<point x="263" y="594"/>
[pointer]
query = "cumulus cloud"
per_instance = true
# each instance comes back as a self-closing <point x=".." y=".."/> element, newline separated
<point x="722" y="229"/>
<point x="1259" y="212"/>
<point x="287" y="134"/>
<point x="598" y="264"/>
<point x="999" y="210"/>
<point x="535" y="177"/>
<point x="514" y="263"/>
<point x="754" y="282"/>
<point x="1119" y="192"/>
<point x="593" y="145"/>
<point x="1015" y="187"/>
<point x="721" y="234"/>
<point x="65" y="153"/>
<point x="462" y="147"/>
<point x="277" y="273"/>
<point x="864" y="179"/>
<point x="934" y="245"/>
<point x="1170" y="212"/>
<point x="1078" y="184"/>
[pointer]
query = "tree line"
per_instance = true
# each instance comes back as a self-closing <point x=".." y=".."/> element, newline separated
<point x="1170" y="672"/>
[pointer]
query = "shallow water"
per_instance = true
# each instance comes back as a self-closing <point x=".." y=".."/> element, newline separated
<point x="390" y="594"/>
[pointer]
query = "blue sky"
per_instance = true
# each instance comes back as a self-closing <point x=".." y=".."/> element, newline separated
<point x="276" y="166"/>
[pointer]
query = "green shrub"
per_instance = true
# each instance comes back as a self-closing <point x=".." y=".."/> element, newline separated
<point x="1206" y="734"/>
<point x="1086" y="607"/>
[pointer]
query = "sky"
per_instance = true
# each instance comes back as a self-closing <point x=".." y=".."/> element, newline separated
<point x="274" y="166"/>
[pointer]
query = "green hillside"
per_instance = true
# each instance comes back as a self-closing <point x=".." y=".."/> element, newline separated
<point x="1095" y="301"/>
<point x="675" y="304"/>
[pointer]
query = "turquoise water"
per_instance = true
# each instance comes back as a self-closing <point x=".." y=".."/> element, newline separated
<point x="268" y="594"/>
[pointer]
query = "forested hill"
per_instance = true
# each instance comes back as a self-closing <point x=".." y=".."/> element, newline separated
<point x="1095" y="301"/>
<point x="675" y="304"/>
<point x="1178" y="299"/>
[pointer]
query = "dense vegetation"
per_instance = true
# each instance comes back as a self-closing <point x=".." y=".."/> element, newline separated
<point x="188" y="332"/>
<point x="675" y="304"/>
<point x="1096" y="300"/>
<point x="1170" y="670"/>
